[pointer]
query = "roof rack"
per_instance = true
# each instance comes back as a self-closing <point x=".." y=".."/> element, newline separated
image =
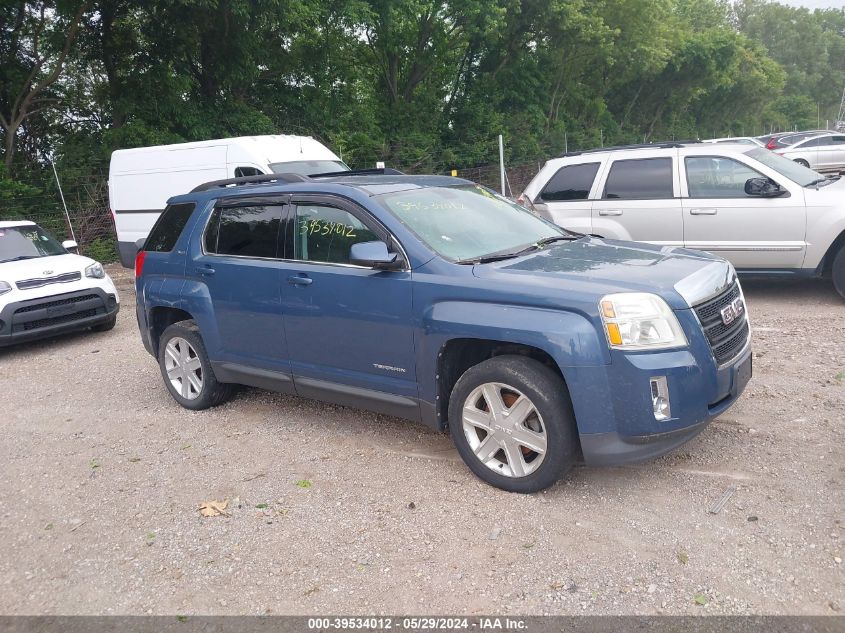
<point x="661" y="145"/>
<point x="251" y="180"/>
<point x="292" y="178"/>
<point x="381" y="171"/>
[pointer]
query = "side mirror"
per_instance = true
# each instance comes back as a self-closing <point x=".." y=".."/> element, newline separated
<point x="374" y="255"/>
<point x="70" y="245"/>
<point x="763" y="188"/>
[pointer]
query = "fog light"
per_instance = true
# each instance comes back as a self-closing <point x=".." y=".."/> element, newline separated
<point x="660" y="398"/>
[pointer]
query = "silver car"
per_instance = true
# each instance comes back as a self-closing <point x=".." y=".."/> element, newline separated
<point x="824" y="153"/>
<point x="762" y="212"/>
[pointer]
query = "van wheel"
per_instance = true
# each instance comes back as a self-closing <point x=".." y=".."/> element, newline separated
<point x="186" y="369"/>
<point x="839" y="272"/>
<point x="803" y="162"/>
<point x="511" y="420"/>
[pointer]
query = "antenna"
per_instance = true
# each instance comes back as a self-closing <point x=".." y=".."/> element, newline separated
<point x="64" y="204"/>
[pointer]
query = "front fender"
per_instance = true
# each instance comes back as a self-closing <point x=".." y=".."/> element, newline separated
<point x="570" y="338"/>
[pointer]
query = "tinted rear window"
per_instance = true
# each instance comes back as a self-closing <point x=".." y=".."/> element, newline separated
<point x="643" y="179"/>
<point x="244" y="231"/>
<point x="169" y="227"/>
<point x="572" y="182"/>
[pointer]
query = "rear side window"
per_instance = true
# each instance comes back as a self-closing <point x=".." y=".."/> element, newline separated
<point x="572" y="182"/>
<point x="642" y="179"/>
<point x="168" y="227"/>
<point x="244" y="231"/>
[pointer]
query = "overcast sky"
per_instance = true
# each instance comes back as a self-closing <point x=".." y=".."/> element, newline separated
<point x="815" y="4"/>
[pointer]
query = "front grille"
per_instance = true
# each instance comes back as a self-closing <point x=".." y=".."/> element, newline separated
<point x="726" y="341"/>
<point x="67" y="318"/>
<point x="64" y="278"/>
<point x="53" y="304"/>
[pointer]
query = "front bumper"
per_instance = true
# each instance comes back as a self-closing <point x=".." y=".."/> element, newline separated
<point x="622" y="429"/>
<point x="32" y="319"/>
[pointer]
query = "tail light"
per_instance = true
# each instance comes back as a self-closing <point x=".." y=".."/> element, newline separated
<point x="139" y="263"/>
<point x="773" y="143"/>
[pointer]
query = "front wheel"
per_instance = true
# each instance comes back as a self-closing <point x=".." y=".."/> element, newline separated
<point x="511" y="420"/>
<point x="802" y="162"/>
<point x="839" y="271"/>
<point x="186" y="369"/>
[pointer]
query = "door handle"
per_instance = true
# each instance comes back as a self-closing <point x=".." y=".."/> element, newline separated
<point x="205" y="271"/>
<point x="300" y="280"/>
<point x="610" y="211"/>
<point x="703" y="211"/>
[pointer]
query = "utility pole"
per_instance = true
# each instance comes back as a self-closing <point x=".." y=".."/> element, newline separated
<point x="840" y="120"/>
<point x="502" y="163"/>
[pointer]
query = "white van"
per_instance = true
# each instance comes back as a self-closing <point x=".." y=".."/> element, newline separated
<point x="141" y="180"/>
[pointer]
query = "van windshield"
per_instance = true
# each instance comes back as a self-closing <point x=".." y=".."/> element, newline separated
<point x="309" y="167"/>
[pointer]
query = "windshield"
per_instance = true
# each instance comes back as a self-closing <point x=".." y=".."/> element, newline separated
<point x="804" y="176"/>
<point x="309" y="167"/>
<point x="469" y="222"/>
<point x="27" y="242"/>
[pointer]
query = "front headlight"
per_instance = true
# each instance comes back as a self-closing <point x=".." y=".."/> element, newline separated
<point x="5" y="287"/>
<point x="639" y="320"/>
<point x="95" y="271"/>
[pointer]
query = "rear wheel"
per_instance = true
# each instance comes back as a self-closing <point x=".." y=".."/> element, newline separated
<point x="803" y="162"/>
<point x="838" y="272"/>
<point x="512" y="423"/>
<point x="186" y="369"/>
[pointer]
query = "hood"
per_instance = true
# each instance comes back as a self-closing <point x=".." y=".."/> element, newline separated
<point x="829" y="195"/>
<point x="40" y="267"/>
<point x="682" y="277"/>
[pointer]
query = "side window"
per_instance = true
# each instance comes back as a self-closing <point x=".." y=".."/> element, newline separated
<point x="716" y="177"/>
<point x="571" y="182"/>
<point x="325" y="234"/>
<point x="813" y="142"/>
<point x="244" y="231"/>
<point x="837" y="140"/>
<point x="640" y="179"/>
<point x="168" y="227"/>
<point x="242" y="172"/>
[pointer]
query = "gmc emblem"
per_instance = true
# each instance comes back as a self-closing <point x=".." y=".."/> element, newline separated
<point x="732" y="311"/>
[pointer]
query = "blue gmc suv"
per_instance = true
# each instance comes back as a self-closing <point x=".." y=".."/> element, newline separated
<point x="436" y="300"/>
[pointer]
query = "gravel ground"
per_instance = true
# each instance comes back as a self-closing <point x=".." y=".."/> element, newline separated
<point x="334" y="510"/>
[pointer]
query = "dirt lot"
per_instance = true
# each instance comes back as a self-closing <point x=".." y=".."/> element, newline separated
<point x="334" y="510"/>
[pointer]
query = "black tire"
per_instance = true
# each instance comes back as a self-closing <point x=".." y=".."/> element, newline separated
<point x="106" y="325"/>
<point x="212" y="392"/>
<point x="838" y="271"/>
<point x="803" y="162"/>
<point x="550" y="398"/>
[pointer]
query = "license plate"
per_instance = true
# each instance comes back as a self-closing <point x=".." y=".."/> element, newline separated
<point x="742" y="375"/>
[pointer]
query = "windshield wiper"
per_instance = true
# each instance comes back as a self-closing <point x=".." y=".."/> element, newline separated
<point x="826" y="181"/>
<point x="19" y="258"/>
<point x="535" y="246"/>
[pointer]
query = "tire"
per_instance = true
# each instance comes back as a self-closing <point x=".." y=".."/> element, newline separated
<point x="508" y="463"/>
<point x="106" y="325"/>
<point x="838" y="271"/>
<point x="186" y="369"/>
<point x="803" y="162"/>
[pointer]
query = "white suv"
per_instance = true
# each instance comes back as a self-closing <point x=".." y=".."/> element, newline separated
<point x="46" y="290"/>
<point x="762" y="212"/>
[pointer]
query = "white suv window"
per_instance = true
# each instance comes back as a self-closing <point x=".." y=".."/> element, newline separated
<point x="640" y="179"/>
<point x="571" y="182"/>
<point x="717" y="177"/>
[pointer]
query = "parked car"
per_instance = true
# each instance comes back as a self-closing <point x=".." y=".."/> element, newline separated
<point x="785" y="139"/>
<point x="823" y="153"/>
<point x="436" y="300"/>
<point x="742" y="140"/>
<point x="764" y="213"/>
<point x="142" y="179"/>
<point x="47" y="290"/>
